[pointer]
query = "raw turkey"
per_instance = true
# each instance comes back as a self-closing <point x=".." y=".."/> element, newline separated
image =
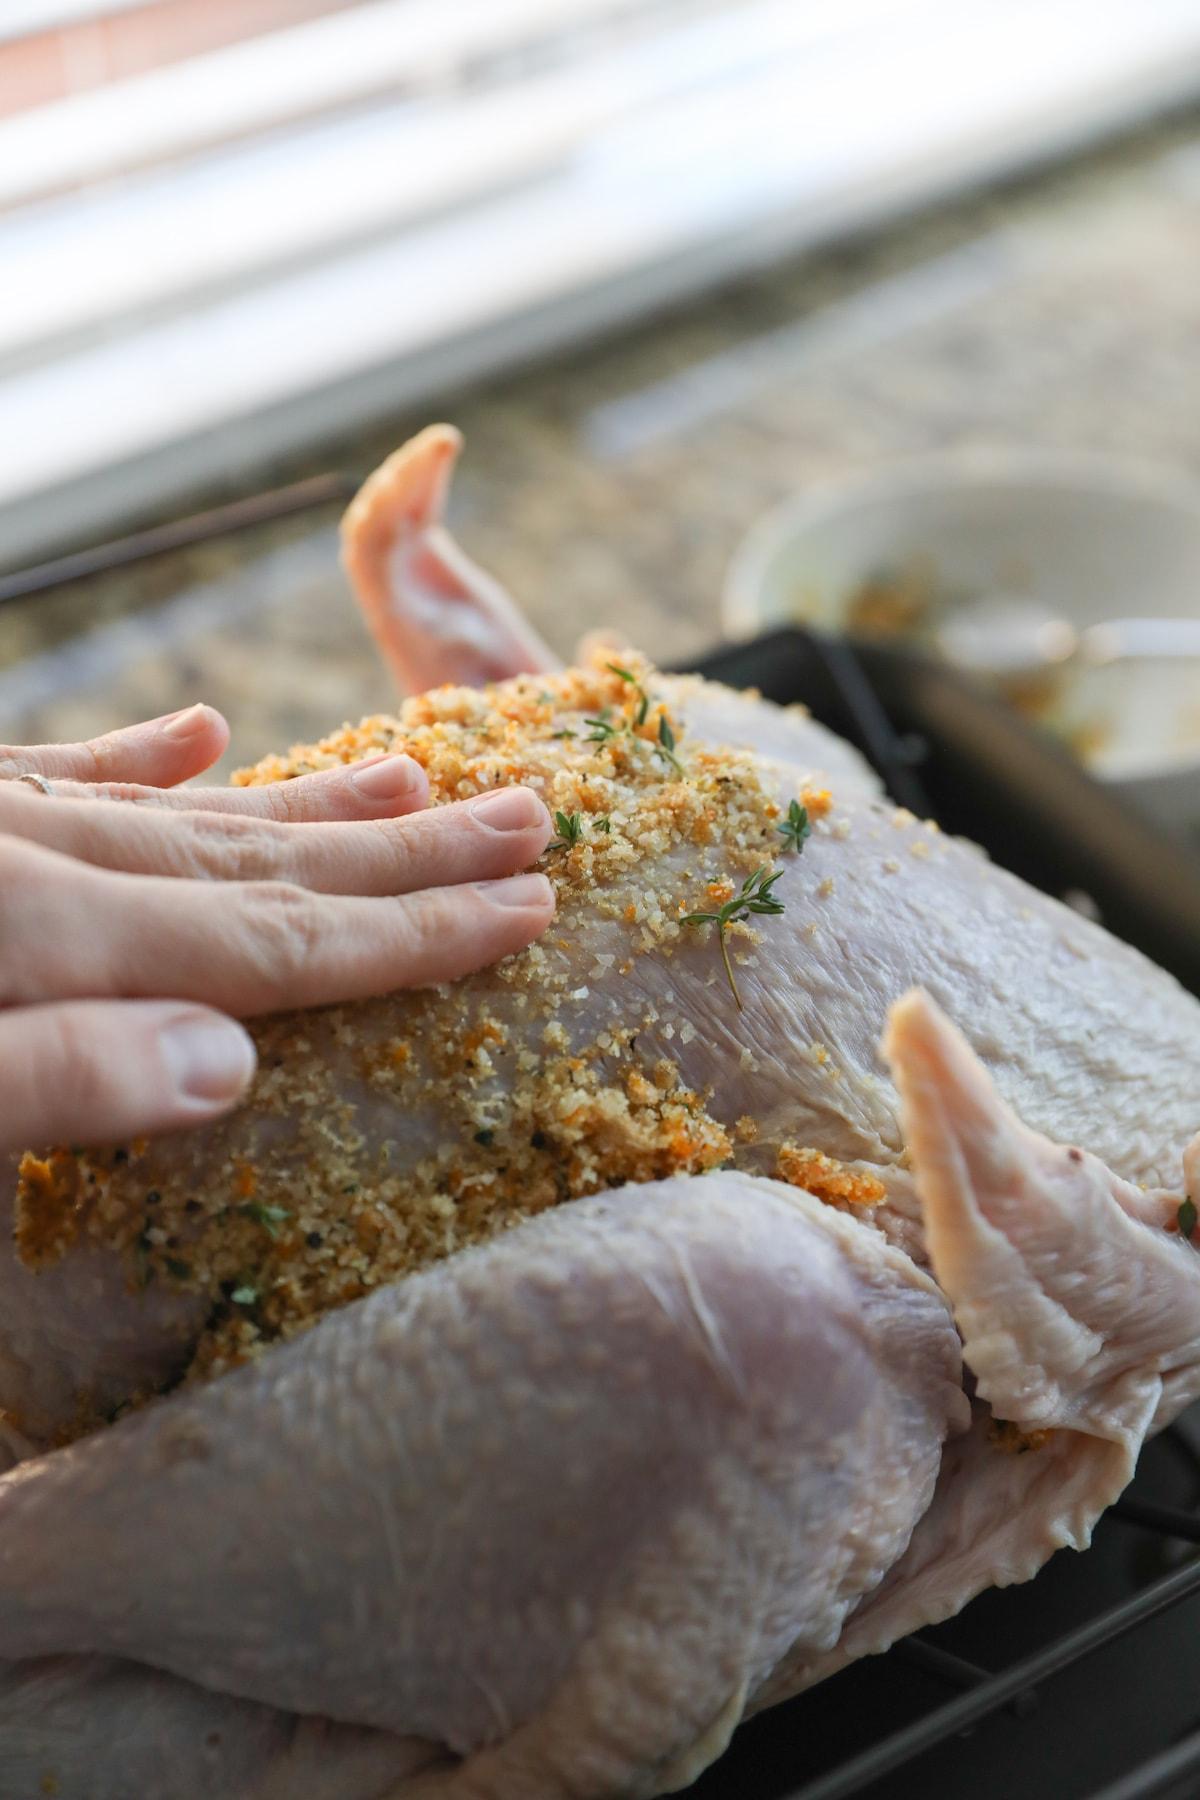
<point x="565" y="1364"/>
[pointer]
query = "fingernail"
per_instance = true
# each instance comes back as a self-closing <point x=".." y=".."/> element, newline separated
<point x="207" y="1057"/>
<point x="184" y="724"/>
<point x="389" y="779"/>
<point x="517" y="890"/>
<point x="509" y="809"/>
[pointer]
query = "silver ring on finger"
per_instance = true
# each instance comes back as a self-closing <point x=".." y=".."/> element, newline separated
<point x="35" y="781"/>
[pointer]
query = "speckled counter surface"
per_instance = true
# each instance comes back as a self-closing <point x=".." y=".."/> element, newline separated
<point x="612" y="485"/>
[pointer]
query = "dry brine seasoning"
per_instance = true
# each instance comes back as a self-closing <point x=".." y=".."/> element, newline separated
<point x="381" y="1136"/>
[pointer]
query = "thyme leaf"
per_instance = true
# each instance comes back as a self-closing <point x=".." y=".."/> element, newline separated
<point x="269" y="1217"/>
<point x="795" y="828"/>
<point x="1187" y="1219"/>
<point x="666" y="744"/>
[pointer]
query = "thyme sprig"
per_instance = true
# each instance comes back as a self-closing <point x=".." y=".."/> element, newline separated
<point x="643" y="705"/>
<point x="570" y="828"/>
<point x="607" y="725"/>
<point x="795" y="828"/>
<point x="756" y="896"/>
<point x="603" y="729"/>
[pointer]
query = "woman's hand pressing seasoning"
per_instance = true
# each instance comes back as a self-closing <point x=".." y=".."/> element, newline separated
<point x="140" y="919"/>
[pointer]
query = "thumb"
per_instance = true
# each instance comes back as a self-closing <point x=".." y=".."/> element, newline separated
<point x="97" y="1071"/>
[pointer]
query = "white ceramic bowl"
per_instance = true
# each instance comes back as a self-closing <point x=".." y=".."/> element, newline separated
<point x="1090" y="538"/>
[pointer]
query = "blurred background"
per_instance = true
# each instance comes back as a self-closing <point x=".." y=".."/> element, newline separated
<point x="669" y="263"/>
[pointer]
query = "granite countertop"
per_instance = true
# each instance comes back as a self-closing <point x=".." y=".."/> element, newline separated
<point x="610" y="486"/>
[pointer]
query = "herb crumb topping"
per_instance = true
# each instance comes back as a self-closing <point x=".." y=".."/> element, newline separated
<point x="382" y="1136"/>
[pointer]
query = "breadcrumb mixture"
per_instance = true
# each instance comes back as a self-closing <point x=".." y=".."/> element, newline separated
<point x="1016" y="1440"/>
<point x="838" y="1184"/>
<point x="381" y="1136"/>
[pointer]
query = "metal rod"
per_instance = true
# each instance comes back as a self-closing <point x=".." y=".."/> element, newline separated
<point x="958" y="1672"/>
<point x="238" y="515"/>
<point x="883" y="746"/>
<point x="955" y="1670"/>
<point x="1172" y="1521"/>
<point x="1158" y="1775"/>
<point x="956" y="1715"/>
<point x="1184" y="1434"/>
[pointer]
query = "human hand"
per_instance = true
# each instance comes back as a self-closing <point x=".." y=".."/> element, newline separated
<point x="141" y="919"/>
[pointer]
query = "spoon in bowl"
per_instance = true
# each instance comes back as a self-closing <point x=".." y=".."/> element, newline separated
<point x="1003" y="636"/>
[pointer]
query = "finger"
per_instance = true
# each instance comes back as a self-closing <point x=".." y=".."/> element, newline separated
<point x="473" y="840"/>
<point x="69" y="931"/>
<point x="159" y="752"/>
<point x="97" y="1071"/>
<point x="397" y="784"/>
